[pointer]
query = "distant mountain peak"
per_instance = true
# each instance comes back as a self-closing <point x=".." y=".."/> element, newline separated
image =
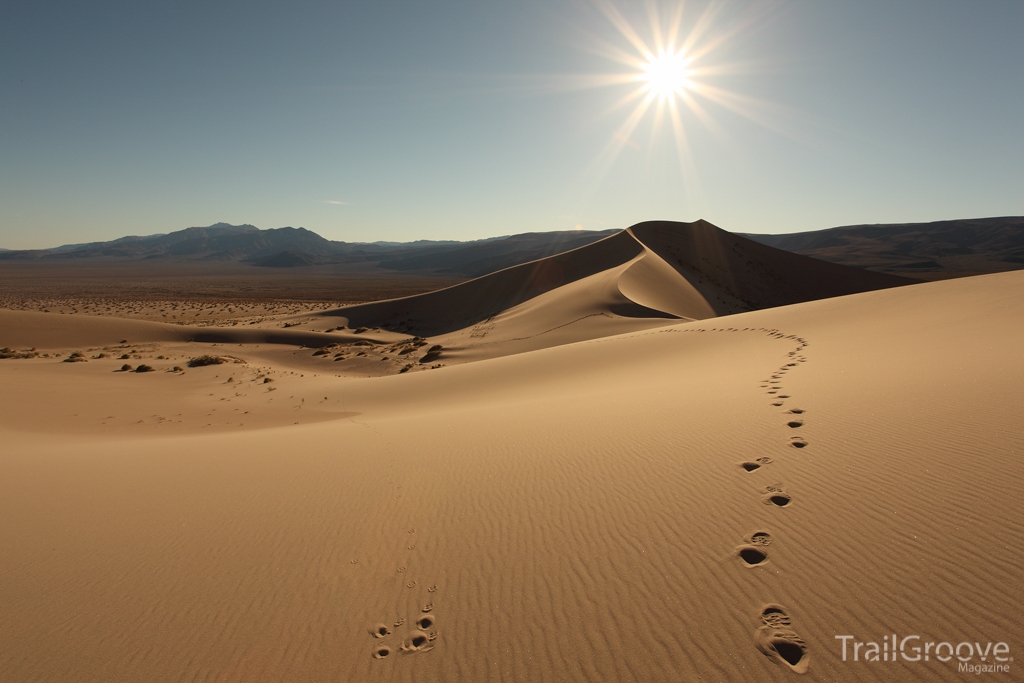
<point x="226" y="227"/>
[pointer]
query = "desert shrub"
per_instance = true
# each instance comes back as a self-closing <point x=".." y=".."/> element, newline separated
<point x="144" y="368"/>
<point x="126" y="368"/>
<point x="200" y="361"/>
<point x="76" y="357"/>
<point x="432" y="353"/>
<point x="11" y="353"/>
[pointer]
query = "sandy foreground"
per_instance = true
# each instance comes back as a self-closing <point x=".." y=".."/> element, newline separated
<point x="666" y="500"/>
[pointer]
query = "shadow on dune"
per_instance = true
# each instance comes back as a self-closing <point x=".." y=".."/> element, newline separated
<point x="468" y="303"/>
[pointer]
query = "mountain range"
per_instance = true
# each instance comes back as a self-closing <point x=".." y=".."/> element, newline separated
<point x="928" y="251"/>
<point x="294" y="247"/>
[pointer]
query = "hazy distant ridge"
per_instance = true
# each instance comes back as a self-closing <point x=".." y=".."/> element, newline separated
<point x="290" y="247"/>
<point x="938" y="250"/>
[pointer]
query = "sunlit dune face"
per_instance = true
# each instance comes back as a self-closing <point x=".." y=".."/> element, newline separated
<point x="667" y="75"/>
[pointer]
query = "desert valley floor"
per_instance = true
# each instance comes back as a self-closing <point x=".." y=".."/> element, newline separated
<point x="614" y="476"/>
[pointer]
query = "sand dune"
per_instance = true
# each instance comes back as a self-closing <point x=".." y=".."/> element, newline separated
<point x="661" y="269"/>
<point x="735" y="274"/>
<point x="620" y="488"/>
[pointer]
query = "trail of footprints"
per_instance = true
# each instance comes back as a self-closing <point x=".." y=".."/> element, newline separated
<point x="421" y="629"/>
<point x="774" y="635"/>
<point x="420" y="638"/>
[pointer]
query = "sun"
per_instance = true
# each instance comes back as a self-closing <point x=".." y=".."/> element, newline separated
<point x="673" y="74"/>
<point x="667" y="75"/>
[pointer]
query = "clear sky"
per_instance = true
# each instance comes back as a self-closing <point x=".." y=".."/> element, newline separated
<point x="460" y="120"/>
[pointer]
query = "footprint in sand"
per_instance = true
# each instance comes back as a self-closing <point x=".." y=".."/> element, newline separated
<point x="775" y="495"/>
<point x="795" y="424"/>
<point x="798" y="442"/>
<point x="752" y="555"/>
<point x="778" y="641"/>
<point x="762" y="538"/>
<point x="417" y="641"/>
<point x="381" y="651"/>
<point x="425" y="622"/>
<point x="752" y="465"/>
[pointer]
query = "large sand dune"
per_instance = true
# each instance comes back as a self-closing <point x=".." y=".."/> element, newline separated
<point x="680" y="270"/>
<point x="661" y="496"/>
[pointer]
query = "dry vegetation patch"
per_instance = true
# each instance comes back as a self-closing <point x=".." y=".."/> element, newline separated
<point x="11" y="353"/>
<point x="201" y="361"/>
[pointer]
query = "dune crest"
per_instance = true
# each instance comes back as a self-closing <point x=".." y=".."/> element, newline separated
<point x="651" y="274"/>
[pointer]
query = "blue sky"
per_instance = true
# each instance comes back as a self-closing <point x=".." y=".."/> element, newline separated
<point x="434" y="120"/>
